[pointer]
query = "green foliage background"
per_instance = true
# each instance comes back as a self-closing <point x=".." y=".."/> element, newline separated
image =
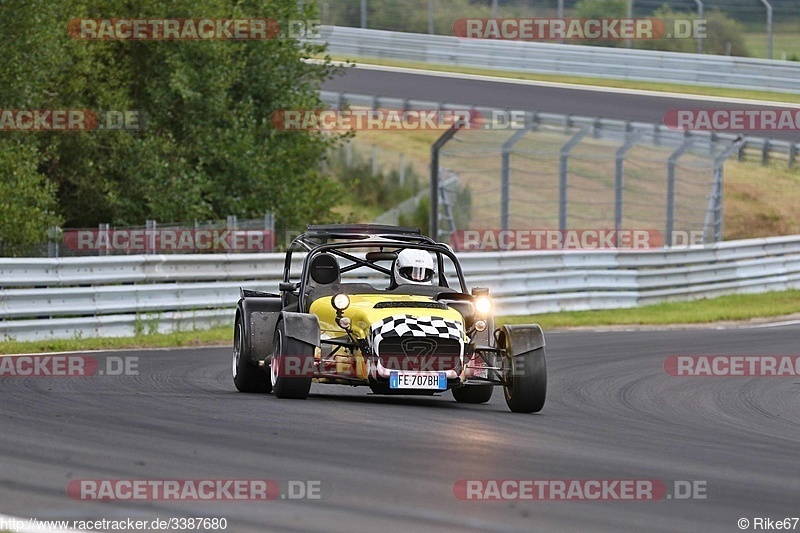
<point x="207" y="149"/>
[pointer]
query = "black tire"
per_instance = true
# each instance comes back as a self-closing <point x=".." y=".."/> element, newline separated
<point x="294" y="387"/>
<point x="473" y="393"/>
<point x="525" y="385"/>
<point x="246" y="376"/>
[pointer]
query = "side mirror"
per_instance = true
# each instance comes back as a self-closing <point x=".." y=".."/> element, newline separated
<point x="480" y="291"/>
<point x="286" y="286"/>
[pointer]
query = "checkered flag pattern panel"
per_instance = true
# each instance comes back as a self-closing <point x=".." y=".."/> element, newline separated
<point x="411" y="326"/>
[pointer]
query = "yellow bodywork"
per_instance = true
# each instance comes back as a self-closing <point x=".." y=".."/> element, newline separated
<point x="362" y="315"/>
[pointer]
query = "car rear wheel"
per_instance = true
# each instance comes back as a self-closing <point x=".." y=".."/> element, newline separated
<point x="247" y="377"/>
<point x="473" y="393"/>
<point x="290" y="369"/>
<point x="525" y="384"/>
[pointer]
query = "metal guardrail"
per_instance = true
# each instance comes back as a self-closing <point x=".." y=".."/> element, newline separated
<point x="118" y="296"/>
<point x="764" y="149"/>
<point x="566" y="59"/>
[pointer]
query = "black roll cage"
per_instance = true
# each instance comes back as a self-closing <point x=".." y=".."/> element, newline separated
<point x="316" y="241"/>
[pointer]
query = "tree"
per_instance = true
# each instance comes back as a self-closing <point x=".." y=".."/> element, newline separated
<point x="720" y="30"/>
<point x="207" y="148"/>
<point x="601" y="9"/>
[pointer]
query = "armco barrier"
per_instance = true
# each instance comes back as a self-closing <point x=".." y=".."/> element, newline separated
<point x="117" y="296"/>
<point x="565" y="59"/>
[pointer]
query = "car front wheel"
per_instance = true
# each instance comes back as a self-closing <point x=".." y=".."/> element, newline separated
<point x="525" y="384"/>
<point x="291" y="367"/>
<point x="247" y="377"/>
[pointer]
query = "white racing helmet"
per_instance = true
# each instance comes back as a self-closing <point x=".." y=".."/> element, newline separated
<point x="414" y="267"/>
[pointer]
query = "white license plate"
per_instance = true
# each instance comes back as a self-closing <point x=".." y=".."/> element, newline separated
<point x="415" y="380"/>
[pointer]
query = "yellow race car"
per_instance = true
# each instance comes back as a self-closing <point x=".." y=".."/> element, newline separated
<point x="387" y="308"/>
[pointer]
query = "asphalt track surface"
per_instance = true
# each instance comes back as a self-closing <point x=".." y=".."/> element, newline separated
<point x="390" y="464"/>
<point x="589" y="102"/>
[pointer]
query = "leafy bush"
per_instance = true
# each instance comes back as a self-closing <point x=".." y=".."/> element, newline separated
<point x="720" y="30"/>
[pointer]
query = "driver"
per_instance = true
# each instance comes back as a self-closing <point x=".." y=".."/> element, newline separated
<point x="414" y="267"/>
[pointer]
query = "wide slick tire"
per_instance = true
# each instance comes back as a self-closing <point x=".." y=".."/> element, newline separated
<point x="247" y="377"/>
<point x="288" y="386"/>
<point x="525" y="385"/>
<point x="473" y="393"/>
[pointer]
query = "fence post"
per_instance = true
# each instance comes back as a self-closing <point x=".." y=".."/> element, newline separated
<point x="103" y="228"/>
<point x="150" y="234"/>
<point x="715" y="204"/>
<point x="562" y="177"/>
<point x="374" y="159"/>
<point x="269" y="229"/>
<point x="52" y="241"/>
<point x="402" y="172"/>
<point x="435" y="147"/>
<point x="699" y="34"/>
<point x="671" y="162"/>
<point x="769" y="28"/>
<point x="633" y="137"/>
<point x="505" y="176"/>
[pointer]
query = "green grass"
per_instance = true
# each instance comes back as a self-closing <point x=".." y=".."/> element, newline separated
<point x="735" y="307"/>
<point x="580" y="80"/>
<point x="725" y="308"/>
<point x="782" y="43"/>
<point x="218" y="335"/>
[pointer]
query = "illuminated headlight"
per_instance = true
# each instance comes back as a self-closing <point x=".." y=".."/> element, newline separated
<point x="480" y="325"/>
<point x="483" y="305"/>
<point x="340" y="302"/>
<point x="343" y="322"/>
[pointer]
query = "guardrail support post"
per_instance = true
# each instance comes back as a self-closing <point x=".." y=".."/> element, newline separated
<point x="562" y="177"/>
<point x="437" y="145"/>
<point x="673" y="160"/>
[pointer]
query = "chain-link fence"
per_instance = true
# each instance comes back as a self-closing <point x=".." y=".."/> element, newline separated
<point x="578" y="176"/>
